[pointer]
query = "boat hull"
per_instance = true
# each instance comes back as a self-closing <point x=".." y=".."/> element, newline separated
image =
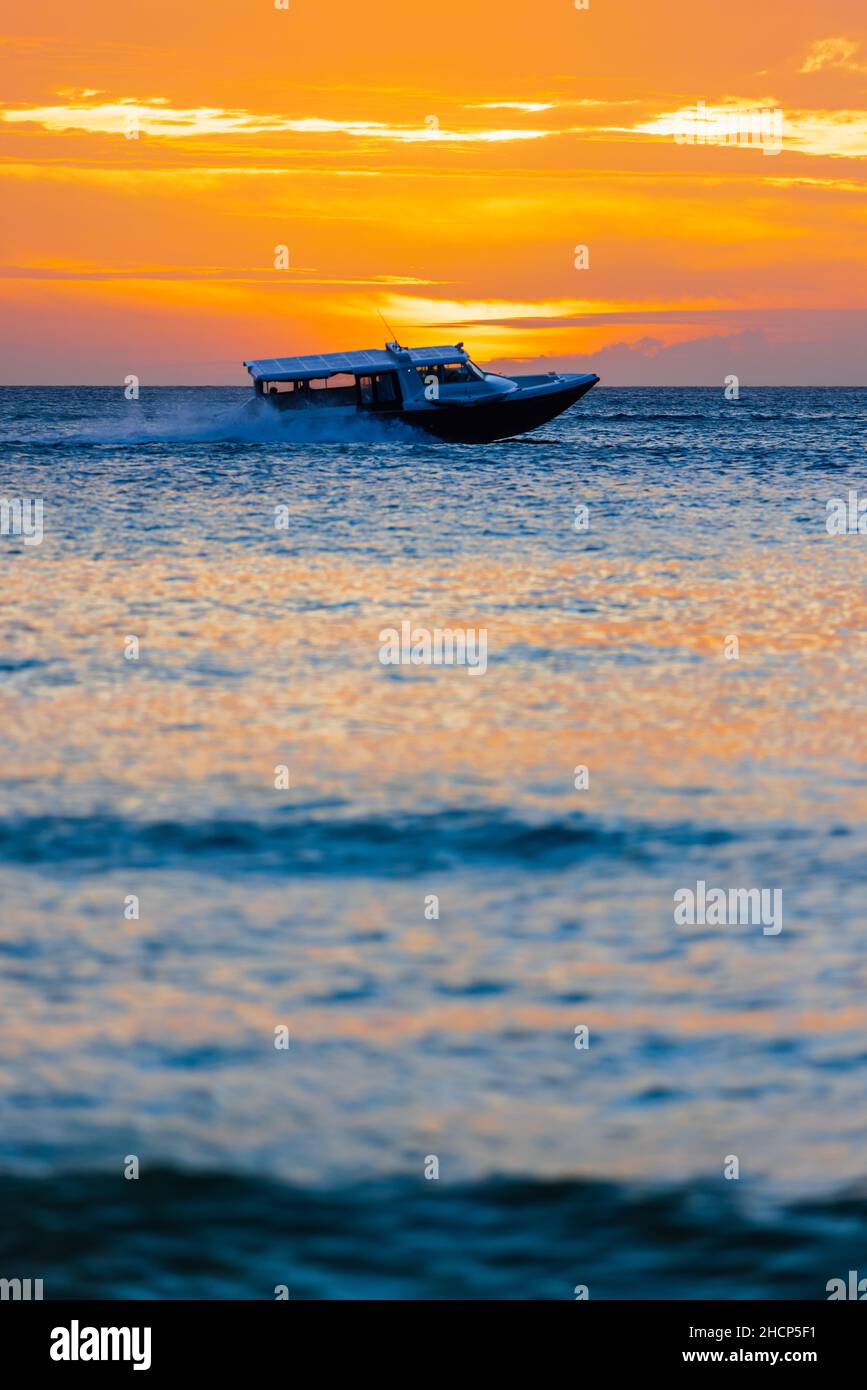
<point x="503" y="417"/>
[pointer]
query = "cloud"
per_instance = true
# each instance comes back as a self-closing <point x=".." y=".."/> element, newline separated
<point x="739" y="122"/>
<point x="832" y="53"/>
<point x="242" y="275"/>
<point x="187" y="176"/>
<point x="595" y="318"/>
<point x="426" y="311"/>
<point x="742" y="124"/>
<point x="156" y="118"/>
<point x="758" y="357"/>
<point x="511" y="106"/>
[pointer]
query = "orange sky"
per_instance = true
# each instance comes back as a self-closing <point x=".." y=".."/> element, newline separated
<point x="440" y="163"/>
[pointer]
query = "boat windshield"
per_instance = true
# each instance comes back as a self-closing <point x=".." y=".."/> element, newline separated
<point x="452" y="373"/>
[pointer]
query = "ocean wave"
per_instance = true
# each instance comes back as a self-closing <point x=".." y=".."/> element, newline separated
<point x="176" y="1234"/>
<point x="305" y="840"/>
<point x="641" y="416"/>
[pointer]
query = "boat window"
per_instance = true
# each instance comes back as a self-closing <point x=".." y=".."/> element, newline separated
<point x="451" y="373"/>
<point x="365" y="389"/>
<point x="385" y="387"/>
<point x="454" y="372"/>
<point x="338" y="389"/>
<point x="341" y="381"/>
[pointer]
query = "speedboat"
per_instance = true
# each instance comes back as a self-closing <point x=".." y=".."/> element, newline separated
<point x="435" y="389"/>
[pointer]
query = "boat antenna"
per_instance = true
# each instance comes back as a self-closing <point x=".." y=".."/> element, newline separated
<point x="388" y="329"/>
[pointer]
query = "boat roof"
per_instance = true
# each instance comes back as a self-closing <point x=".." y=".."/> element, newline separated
<point x="359" y="363"/>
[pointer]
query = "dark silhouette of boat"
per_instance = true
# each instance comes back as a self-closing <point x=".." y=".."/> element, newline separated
<point x="435" y="389"/>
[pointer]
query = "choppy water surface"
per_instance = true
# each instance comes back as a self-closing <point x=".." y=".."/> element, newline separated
<point x="411" y="1037"/>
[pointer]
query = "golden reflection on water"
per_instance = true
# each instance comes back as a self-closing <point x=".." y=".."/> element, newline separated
<point x="242" y="668"/>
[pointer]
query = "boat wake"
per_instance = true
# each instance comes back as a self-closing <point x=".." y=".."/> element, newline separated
<point x="187" y="424"/>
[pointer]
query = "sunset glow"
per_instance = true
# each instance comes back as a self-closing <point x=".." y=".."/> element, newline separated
<point x="441" y="170"/>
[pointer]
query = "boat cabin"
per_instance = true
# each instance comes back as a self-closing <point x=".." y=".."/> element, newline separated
<point x="377" y="380"/>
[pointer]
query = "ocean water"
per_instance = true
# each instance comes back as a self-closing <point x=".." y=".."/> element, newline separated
<point x="412" y="1036"/>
